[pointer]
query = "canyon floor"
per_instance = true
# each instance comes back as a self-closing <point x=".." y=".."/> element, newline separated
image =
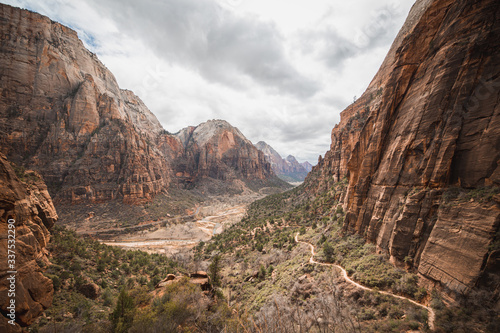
<point x="175" y="234"/>
<point x="171" y="239"/>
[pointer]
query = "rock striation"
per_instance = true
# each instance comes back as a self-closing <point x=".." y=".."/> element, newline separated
<point x="63" y="114"/>
<point x="421" y="147"/>
<point x="27" y="203"/>
<point x="288" y="169"/>
<point x="218" y="151"/>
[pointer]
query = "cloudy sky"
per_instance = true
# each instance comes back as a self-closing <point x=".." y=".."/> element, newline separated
<point x="279" y="70"/>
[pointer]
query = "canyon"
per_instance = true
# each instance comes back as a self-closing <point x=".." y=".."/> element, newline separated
<point x="63" y="114"/>
<point x="417" y="158"/>
<point x="420" y="148"/>
<point x="288" y="169"/>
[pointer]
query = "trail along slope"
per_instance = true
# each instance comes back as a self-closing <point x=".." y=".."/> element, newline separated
<point x="432" y="315"/>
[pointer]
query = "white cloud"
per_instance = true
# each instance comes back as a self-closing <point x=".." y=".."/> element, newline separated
<point x="280" y="71"/>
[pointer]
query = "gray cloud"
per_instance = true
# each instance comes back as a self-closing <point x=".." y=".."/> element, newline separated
<point x="193" y="60"/>
<point x="213" y="41"/>
<point x="334" y="49"/>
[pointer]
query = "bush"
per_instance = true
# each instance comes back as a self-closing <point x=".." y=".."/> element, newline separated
<point x="214" y="271"/>
<point x="107" y="297"/>
<point x="262" y="272"/>
<point x="56" y="282"/>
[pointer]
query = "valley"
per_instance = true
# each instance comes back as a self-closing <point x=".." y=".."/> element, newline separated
<point x="113" y="224"/>
<point x="170" y="232"/>
<point x="165" y="238"/>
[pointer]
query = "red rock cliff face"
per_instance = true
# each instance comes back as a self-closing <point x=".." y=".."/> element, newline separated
<point x="216" y="150"/>
<point x="63" y="114"/>
<point x="421" y="147"/>
<point x="30" y="206"/>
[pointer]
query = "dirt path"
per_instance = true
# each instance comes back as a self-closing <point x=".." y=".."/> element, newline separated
<point x="432" y="315"/>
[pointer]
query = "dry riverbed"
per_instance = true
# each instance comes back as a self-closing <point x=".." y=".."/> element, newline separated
<point x="172" y="238"/>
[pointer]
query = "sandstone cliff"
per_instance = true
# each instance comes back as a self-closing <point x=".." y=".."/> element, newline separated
<point x="27" y="203"/>
<point x="218" y="151"/>
<point x="63" y="114"/>
<point x="288" y="169"/>
<point x="421" y="147"/>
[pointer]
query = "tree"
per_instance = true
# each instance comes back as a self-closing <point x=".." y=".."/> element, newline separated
<point x="329" y="251"/>
<point x="123" y="314"/>
<point x="214" y="271"/>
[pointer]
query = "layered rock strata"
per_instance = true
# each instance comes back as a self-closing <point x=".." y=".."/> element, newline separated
<point x="63" y="114"/>
<point x="217" y="150"/>
<point x="28" y="207"/>
<point x="421" y="147"/>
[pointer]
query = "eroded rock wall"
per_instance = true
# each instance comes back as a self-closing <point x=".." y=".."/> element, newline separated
<point x="30" y="206"/>
<point x="217" y="150"/>
<point x="427" y="126"/>
<point x="63" y="114"/>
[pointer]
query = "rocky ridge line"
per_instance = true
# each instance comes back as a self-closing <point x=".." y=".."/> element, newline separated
<point x="63" y="114"/>
<point x="288" y="169"/>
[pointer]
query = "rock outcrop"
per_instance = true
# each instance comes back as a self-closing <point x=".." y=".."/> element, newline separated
<point x="288" y="169"/>
<point x="421" y="147"/>
<point x="199" y="278"/>
<point x="28" y="206"/>
<point x="218" y="151"/>
<point x="63" y="114"/>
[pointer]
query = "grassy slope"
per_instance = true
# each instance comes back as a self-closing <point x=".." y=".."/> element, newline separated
<point x="77" y="262"/>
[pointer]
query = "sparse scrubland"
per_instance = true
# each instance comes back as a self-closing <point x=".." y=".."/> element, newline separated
<point x="266" y="273"/>
<point x="262" y="280"/>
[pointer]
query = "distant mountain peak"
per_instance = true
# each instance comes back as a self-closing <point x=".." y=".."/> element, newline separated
<point x="288" y="169"/>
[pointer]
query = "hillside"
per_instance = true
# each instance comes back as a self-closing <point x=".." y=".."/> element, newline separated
<point x="412" y="171"/>
<point x="27" y="215"/>
<point x="396" y="229"/>
<point x="420" y="147"/>
<point x="215" y="150"/>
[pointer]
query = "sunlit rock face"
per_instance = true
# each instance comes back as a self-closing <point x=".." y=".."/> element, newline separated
<point x="421" y="147"/>
<point x="28" y="207"/>
<point x="63" y="114"/>
<point x="217" y="150"/>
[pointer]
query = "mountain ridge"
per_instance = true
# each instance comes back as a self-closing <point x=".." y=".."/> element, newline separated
<point x="288" y="169"/>
<point x="407" y="146"/>
<point x="64" y="115"/>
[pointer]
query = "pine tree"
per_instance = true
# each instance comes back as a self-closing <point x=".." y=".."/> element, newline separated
<point x="123" y="314"/>
<point x="214" y="271"/>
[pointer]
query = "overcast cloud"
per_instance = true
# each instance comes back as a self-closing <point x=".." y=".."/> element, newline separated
<point x="281" y="71"/>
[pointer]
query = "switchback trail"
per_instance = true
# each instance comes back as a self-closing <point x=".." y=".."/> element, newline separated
<point x="432" y="315"/>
